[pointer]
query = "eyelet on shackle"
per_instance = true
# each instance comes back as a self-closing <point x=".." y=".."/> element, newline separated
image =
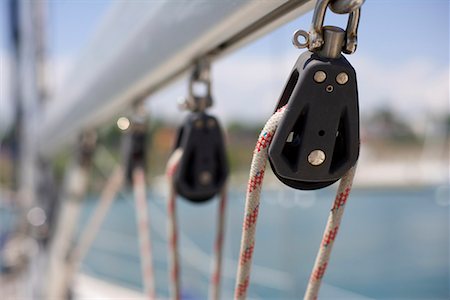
<point x="296" y="41"/>
<point x="316" y="39"/>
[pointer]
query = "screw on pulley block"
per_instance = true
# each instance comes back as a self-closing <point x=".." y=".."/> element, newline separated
<point x="342" y="78"/>
<point x="320" y="76"/>
<point x="316" y="157"/>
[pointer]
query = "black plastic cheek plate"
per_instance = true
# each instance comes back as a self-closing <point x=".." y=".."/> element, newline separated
<point x="319" y="116"/>
<point x="203" y="167"/>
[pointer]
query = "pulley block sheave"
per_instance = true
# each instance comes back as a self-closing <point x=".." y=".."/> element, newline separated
<point x="203" y="167"/>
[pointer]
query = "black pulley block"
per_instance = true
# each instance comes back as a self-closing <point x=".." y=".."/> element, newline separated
<point x="134" y="148"/>
<point x="203" y="167"/>
<point x="317" y="141"/>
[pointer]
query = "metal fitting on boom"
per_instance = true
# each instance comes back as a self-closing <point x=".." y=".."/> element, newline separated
<point x="315" y="39"/>
<point x="199" y="90"/>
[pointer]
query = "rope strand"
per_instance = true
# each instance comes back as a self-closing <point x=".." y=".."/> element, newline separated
<point x="218" y="248"/>
<point x="329" y="235"/>
<point x="174" y="277"/>
<point x="175" y="285"/>
<point x="252" y="202"/>
<point x="143" y="226"/>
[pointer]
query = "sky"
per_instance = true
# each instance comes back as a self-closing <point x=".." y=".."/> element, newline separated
<point x="402" y="60"/>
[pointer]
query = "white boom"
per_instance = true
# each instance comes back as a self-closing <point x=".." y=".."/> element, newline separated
<point x="144" y="45"/>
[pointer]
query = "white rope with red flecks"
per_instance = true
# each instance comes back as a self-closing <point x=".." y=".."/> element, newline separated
<point x="257" y="169"/>
<point x="174" y="267"/>
<point x="214" y="292"/>
<point x="329" y="235"/>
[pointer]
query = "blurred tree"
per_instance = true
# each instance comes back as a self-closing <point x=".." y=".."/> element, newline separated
<point x="385" y="124"/>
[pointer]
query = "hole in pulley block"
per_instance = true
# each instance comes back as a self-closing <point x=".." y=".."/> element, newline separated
<point x="293" y="142"/>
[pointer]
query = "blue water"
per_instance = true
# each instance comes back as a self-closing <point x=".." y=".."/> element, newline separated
<point x="393" y="243"/>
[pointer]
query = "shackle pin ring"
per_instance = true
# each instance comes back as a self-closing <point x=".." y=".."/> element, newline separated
<point x="296" y="41"/>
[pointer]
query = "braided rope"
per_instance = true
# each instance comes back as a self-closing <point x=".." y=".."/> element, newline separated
<point x="257" y="170"/>
<point x="329" y="235"/>
<point x="218" y="248"/>
<point x="252" y="201"/>
<point x="174" y="277"/>
<point x="173" y="235"/>
<point x="143" y="226"/>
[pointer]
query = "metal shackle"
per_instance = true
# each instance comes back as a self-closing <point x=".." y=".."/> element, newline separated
<point x="87" y="142"/>
<point x="200" y="74"/>
<point x="314" y="39"/>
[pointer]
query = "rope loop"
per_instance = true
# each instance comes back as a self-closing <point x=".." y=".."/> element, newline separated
<point x="174" y="261"/>
<point x="252" y="206"/>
